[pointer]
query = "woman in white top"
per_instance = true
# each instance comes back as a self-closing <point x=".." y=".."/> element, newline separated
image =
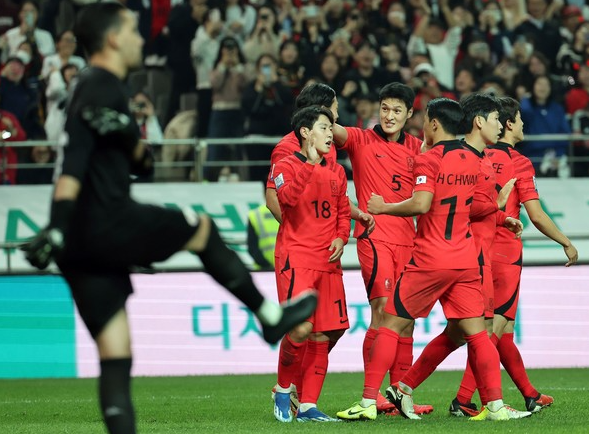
<point x="66" y="46"/>
<point x="56" y="93"/>
<point x="239" y="18"/>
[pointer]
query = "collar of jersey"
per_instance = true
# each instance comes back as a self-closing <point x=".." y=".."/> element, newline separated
<point x="378" y="130"/>
<point x="478" y="153"/>
<point x="304" y="159"/>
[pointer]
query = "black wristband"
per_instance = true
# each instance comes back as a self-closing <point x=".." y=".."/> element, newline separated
<point x="61" y="214"/>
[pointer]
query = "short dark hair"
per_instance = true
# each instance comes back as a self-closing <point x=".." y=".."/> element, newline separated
<point x="398" y="91"/>
<point x="448" y="112"/>
<point x="315" y="94"/>
<point x="306" y="117"/>
<point x="94" y="22"/>
<point x="477" y="104"/>
<point x="508" y="112"/>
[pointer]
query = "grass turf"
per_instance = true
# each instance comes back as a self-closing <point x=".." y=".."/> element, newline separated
<point x="241" y="404"/>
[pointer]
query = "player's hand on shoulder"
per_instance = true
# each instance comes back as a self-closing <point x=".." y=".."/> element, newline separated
<point x="337" y="247"/>
<point x="44" y="247"/>
<point x="505" y="192"/>
<point x="366" y="220"/>
<point x="572" y="254"/>
<point x="375" y="204"/>
<point x="515" y="226"/>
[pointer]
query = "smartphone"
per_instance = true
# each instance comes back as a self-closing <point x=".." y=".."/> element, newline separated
<point x="266" y="71"/>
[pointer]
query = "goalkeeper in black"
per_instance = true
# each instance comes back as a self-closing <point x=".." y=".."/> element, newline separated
<point x="97" y="232"/>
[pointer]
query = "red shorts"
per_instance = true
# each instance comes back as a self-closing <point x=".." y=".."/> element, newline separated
<point x="488" y="291"/>
<point x="506" y="278"/>
<point x="417" y="290"/>
<point x="331" y="312"/>
<point x="381" y="264"/>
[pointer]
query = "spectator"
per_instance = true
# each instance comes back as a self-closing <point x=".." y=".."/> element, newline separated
<point x="153" y="18"/>
<point x="182" y="25"/>
<point x="578" y="97"/>
<point x="56" y="95"/>
<point x="429" y="37"/>
<point x="426" y="86"/>
<point x="27" y="30"/>
<point x="330" y="72"/>
<point x="342" y="49"/>
<point x="496" y="34"/>
<point x="580" y="125"/>
<point x="367" y="76"/>
<point x="393" y="23"/>
<point x="144" y="112"/>
<point x="464" y="83"/>
<point x="493" y="85"/>
<point x="19" y="99"/>
<point x="66" y="47"/>
<point x="514" y="13"/>
<point x="182" y="126"/>
<point x="239" y="18"/>
<point x="570" y="17"/>
<point x="265" y="38"/>
<point x="204" y="50"/>
<point x="539" y="65"/>
<point x="10" y="131"/>
<point x="542" y="115"/>
<point x="540" y="30"/>
<point x="391" y="59"/>
<point x="311" y="32"/>
<point x="227" y="120"/>
<point x="290" y="69"/>
<point x="361" y="112"/>
<point x="37" y="155"/>
<point x="572" y="53"/>
<point x="478" y="56"/>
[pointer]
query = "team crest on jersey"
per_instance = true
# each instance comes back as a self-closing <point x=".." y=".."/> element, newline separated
<point x="421" y="180"/>
<point x="410" y="161"/>
<point x="279" y="181"/>
<point x="334" y="189"/>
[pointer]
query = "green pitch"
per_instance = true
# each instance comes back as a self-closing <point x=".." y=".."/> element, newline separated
<point x="241" y="404"/>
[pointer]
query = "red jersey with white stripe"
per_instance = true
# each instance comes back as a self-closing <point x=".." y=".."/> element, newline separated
<point x="509" y="163"/>
<point x="384" y="168"/>
<point x="315" y="211"/>
<point x="444" y="239"/>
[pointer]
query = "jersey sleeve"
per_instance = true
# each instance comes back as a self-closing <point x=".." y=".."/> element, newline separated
<point x="501" y="217"/>
<point x="278" y="153"/>
<point x="344" y="214"/>
<point x="291" y="182"/>
<point x="526" y="181"/>
<point x="355" y="138"/>
<point x="425" y="171"/>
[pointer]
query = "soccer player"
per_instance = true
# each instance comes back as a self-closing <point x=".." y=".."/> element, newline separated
<point x="481" y="112"/>
<point x="313" y="94"/>
<point x="445" y="182"/>
<point x="97" y="232"/>
<point x="312" y="192"/>
<point x="507" y="251"/>
<point x="382" y="161"/>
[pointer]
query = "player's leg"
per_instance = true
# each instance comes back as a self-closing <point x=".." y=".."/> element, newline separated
<point x="330" y="321"/>
<point x="226" y="268"/>
<point x="100" y="298"/>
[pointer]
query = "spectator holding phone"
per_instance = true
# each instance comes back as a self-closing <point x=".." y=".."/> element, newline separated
<point x="265" y="38"/>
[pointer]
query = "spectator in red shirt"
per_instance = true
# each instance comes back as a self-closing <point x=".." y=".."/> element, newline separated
<point x="10" y="131"/>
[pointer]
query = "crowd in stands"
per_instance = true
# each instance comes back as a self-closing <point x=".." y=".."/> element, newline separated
<point x="231" y="68"/>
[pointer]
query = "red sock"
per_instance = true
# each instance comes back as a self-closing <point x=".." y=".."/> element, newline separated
<point x="367" y="345"/>
<point x="314" y="369"/>
<point x="433" y="354"/>
<point x="404" y="359"/>
<point x="298" y="377"/>
<point x="484" y="361"/>
<point x="382" y="357"/>
<point x="511" y="360"/>
<point x="469" y="383"/>
<point x="289" y="361"/>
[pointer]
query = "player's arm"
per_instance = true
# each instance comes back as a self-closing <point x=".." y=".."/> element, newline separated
<point x="273" y="205"/>
<point x="418" y="204"/>
<point x="340" y="136"/>
<point x="544" y="224"/>
<point x="291" y="182"/>
<point x="343" y="221"/>
<point x="365" y="219"/>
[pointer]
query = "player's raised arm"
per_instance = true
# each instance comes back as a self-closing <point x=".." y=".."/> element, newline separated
<point x="418" y="204"/>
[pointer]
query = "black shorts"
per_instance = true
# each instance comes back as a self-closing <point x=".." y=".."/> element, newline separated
<point x="99" y="254"/>
<point x="135" y="235"/>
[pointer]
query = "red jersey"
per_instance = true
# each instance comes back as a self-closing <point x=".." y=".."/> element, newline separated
<point x="443" y="239"/>
<point x="509" y="163"/>
<point x="485" y="215"/>
<point x="315" y="211"/>
<point x="385" y="168"/>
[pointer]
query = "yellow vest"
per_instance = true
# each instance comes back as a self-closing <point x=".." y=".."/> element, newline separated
<point x="266" y="227"/>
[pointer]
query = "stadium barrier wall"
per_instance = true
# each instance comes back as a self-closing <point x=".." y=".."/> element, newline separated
<point x="25" y="209"/>
<point x="185" y="324"/>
